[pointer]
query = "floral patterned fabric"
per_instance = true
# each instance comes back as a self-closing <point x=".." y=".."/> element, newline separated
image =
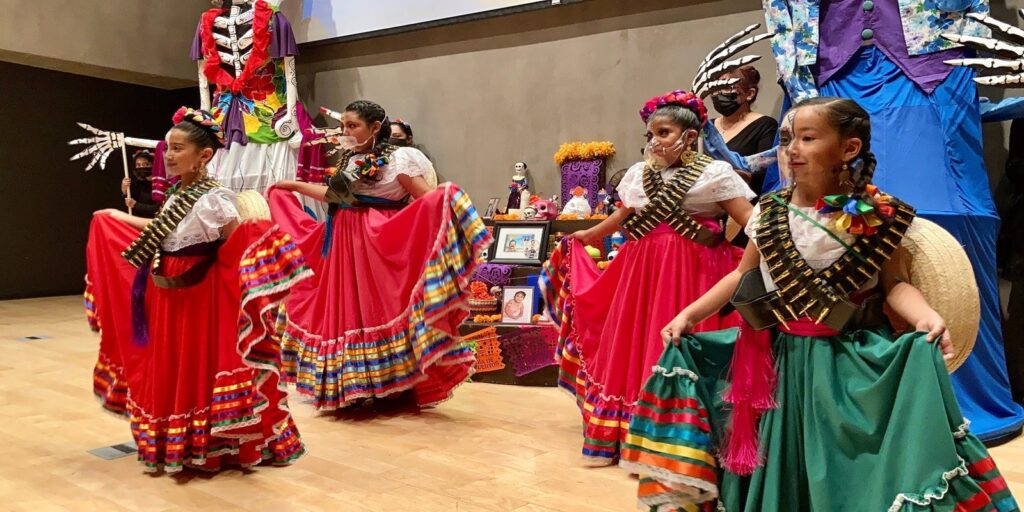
<point x="249" y="104"/>
<point x="795" y="24"/>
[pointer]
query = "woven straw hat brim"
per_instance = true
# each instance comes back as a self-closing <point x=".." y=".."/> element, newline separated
<point x="252" y="206"/>
<point x="940" y="269"/>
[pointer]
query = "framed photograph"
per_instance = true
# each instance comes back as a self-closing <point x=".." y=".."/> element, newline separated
<point x="520" y="243"/>
<point x="492" y="207"/>
<point x="518" y="304"/>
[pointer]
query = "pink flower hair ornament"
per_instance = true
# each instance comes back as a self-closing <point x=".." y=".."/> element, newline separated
<point x="679" y="97"/>
<point x="200" y="118"/>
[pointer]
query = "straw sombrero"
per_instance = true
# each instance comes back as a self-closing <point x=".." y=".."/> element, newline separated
<point x="938" y="266"/>
<point x="252" y="206"/>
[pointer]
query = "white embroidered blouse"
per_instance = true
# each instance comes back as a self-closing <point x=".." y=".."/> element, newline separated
<point x="718" y="182"/>
<point x="204" y="222"/>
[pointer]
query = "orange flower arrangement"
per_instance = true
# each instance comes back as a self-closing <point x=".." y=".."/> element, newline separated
<point x="584" y="151"/>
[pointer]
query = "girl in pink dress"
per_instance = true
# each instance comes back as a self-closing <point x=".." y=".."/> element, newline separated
<point x="673" y="206"/>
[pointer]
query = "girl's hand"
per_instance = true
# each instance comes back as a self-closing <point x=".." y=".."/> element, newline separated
<point x="125" y="183"/>
<point x="680" y="325"/>
<point x="129" y="202"/>
<point x="935" y="326"/>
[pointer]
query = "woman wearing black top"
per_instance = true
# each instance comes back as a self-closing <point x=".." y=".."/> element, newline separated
<point x="745" y="132"/>
<point x="141" y="183"/>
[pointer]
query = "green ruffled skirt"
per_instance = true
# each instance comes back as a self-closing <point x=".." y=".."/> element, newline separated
<point x="865" y="422"/>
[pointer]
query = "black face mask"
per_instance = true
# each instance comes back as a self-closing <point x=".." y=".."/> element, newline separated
<point x="398" y="142"/>
<point x="726" y="103"/>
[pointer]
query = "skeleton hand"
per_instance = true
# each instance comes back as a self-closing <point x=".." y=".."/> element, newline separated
<point x="707" y="80"/>
<point x="99" y="147"/>
<point x="1010" y="46"/>
<point x="326" y="136"/>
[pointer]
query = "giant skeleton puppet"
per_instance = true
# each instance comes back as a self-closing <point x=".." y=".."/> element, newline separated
<point x="246" y="51"/>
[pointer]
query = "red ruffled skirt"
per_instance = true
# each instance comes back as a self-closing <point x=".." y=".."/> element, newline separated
<point x="204" y="390"/>
<point x="381" y="315"/>
<point x="610" y="322"/>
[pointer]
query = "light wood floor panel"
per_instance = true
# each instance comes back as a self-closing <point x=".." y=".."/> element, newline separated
<point x="491" y="448"/>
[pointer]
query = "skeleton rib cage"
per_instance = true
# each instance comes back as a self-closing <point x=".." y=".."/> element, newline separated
<point x="233" y="34"/>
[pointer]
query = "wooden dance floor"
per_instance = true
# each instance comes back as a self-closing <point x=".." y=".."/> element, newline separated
<point x="491" y="448"/>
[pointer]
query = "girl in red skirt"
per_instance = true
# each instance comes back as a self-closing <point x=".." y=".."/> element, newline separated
<point x="186" y="313"/>
<point x="673" y="203"/>
<point x="392" y="265"/>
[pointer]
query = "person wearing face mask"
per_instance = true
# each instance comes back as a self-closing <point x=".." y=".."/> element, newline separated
<point x="401" y="135"/>
<point x="673" y="204"/>
<point x="746" y="132"/>
<point x="187" y="349"/>
<point x="140" y="184"/>
<point x="826" y="406"/>
<point x="392" y="264"/>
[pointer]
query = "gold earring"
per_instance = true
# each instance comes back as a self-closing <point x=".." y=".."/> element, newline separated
<point x="844" y="175"/>
<point x="688" y="157"/>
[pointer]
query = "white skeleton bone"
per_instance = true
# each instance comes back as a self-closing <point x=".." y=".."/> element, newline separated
<point x="1010" y="46"/>
<point x="706" y="81"/>
<point x="104" y="143"/>
<point x="235" y="48"/>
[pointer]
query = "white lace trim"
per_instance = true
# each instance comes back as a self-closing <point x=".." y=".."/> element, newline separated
<point x="675" y="371"/>
<point x="961" y="432"/>
<point x="923" y="500"/>
<point x="718" y="182"/>
<point x="204" y="221"/>
<point x="694" y="489"/>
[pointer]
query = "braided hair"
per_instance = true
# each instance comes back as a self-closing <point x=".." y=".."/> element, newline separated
<point x="370" y="113"/>
<point x="850" y="120"/>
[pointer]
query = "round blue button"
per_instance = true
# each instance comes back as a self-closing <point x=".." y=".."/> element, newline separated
<point x="868" y="5"/>
<point x="867" y="34"/>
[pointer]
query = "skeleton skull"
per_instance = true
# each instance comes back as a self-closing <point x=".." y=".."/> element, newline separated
<point x="520" y="167"/>
<point x="546" y="210"/>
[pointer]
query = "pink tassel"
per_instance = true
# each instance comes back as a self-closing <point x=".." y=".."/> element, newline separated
<point x="751" y="392"/>
<point x="743" y="453"/>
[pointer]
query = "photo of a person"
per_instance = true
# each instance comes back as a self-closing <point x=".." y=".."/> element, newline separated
<point x="517" y="305"/>
<point x="514" y="309"/>
<point x="531" y="248"/>
<point x="520" y="244"/>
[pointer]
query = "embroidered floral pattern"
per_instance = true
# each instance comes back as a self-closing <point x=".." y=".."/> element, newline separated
<point x="795" y="25"/>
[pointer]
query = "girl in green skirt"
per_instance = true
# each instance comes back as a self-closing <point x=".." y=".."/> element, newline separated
<point x="817" y="405"/>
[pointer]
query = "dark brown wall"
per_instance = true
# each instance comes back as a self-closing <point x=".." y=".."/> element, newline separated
<point x="47" y="201"/>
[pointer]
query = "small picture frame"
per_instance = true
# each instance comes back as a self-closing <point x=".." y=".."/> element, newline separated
<point x="520" y="243"/>
<point x="492" y="207"/>
<point x="518" y="304"/>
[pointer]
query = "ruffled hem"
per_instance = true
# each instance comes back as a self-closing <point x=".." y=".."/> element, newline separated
<point x="90" y="307"/>
<point x="975" y="484"/>
<point x="654" y="496"/>
<point x="233" y="431"/>
<point x="109" y="386"/>
<point x="248" y="421"/>
<point x="414" y="351"/>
